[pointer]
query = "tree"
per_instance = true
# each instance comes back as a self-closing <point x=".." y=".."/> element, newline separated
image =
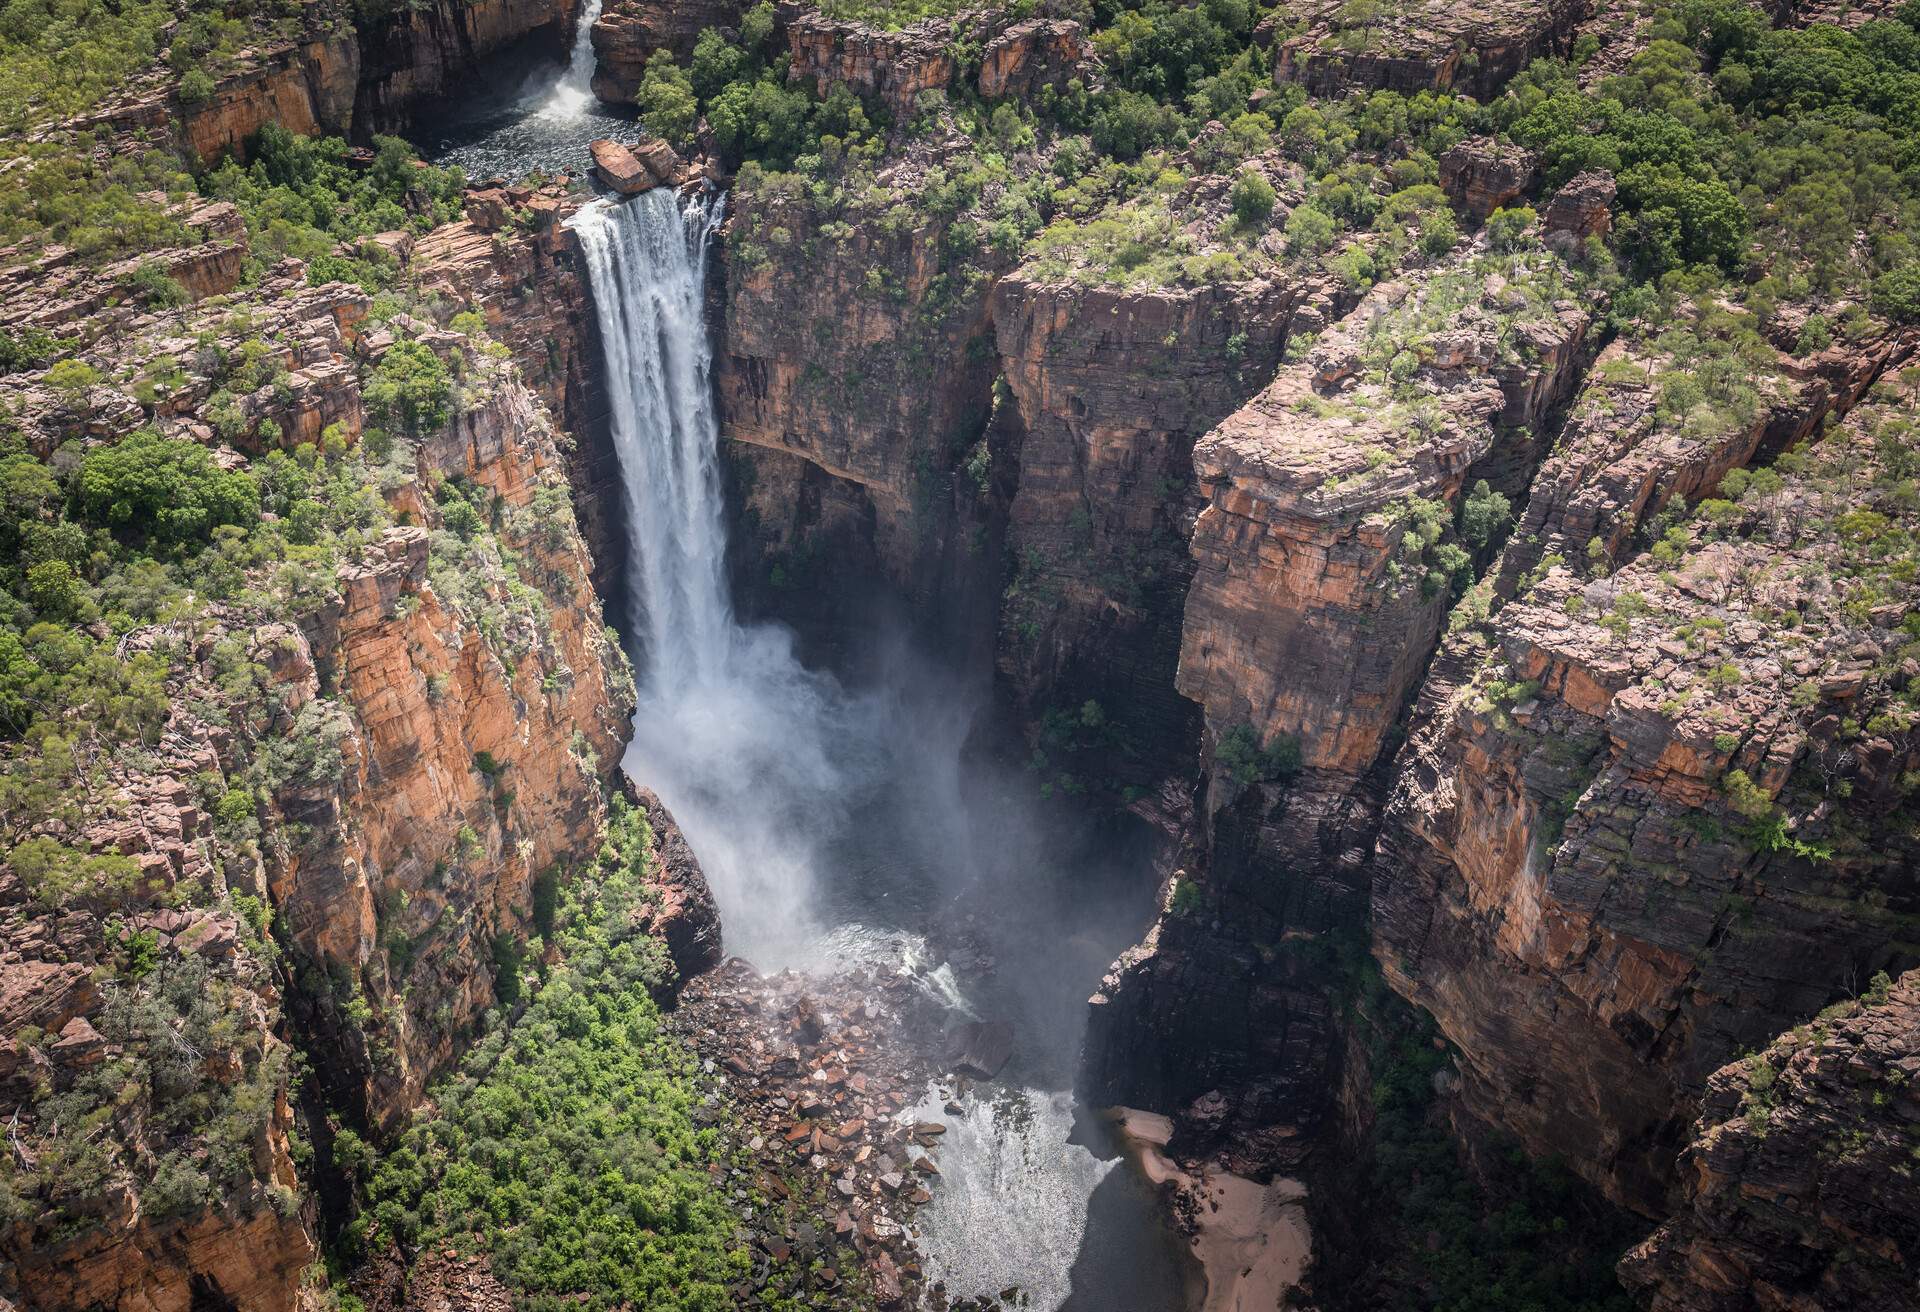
<point x="1252" y="198"/>
<point x="170" y="487"/>
<point x="667" y="103"/>
<point x="410" y="390"/>
<point x="1896" y="293"/>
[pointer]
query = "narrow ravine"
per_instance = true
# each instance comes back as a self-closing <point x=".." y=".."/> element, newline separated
<point x="849" y="825"/>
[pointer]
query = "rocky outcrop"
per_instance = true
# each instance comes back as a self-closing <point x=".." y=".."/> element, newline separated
<point x="1649" y="826"/>
<point x="1799" y="1186"/>
<point x="891" y="67"/>
<point x="631" y="170"/>
<point x="514" y="261"/>
<point x="629" y="31"/>
<point x="683" y="914"/>
<point x="57" y="291"/>
<point x="1481" y="175"/>
<point x="1309" y="537"/>
<point x="1109" y="388"/>
<point x="476" y="722"/>
<point x="1434" y="45"/>
<point x="1622" y="457"/>
<point x="1037" y="53"/>
<point x="1581" y="209"/>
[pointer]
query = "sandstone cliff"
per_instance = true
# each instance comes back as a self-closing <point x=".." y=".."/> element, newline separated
<point x="629" y="31"/>
<point x="343" y="72"/>
<point x="1798" y="1184"/>
<point x="1330" y="46"/>
<point x="1109" y="388"/>
<point x="854" y="375"/>
<point x="401" y="716"/>
<point x="1653" y="817"/>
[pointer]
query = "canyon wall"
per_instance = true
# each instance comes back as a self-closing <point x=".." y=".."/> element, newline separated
<point x="344" y="73"/>
<point x="1647" y="820"/>
<point x="1108" y="389"/>
<point x="380" y="748"/>
<point x="1796" y="1184"/>
<point x="854" y="372"/>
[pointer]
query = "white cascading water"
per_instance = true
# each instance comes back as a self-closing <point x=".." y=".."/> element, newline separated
<point x="754" y="754"/>
<point x="575" y="89"/>
<point x="761" y="762"/>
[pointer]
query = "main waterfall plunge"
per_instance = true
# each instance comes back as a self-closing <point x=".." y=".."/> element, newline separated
<point x="753" y="753"/>
<point x="837" y="825"/>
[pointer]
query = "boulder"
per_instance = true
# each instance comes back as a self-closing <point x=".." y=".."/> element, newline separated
<point x="631" y="170"/>
<point x="980" y="1048"/>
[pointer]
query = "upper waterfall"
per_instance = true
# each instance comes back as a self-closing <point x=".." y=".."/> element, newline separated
<point x="647" y="259"/>
<point x="755" y="754"/>
<point x="575" y="90"/>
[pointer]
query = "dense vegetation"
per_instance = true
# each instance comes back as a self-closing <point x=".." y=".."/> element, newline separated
<point x="566" y="1146"/>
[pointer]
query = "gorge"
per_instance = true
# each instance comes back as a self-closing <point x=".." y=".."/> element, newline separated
<point x="841" y="655"/>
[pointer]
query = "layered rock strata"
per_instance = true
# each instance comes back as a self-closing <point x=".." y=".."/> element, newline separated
<point x="1653" y="818"/>
<point x="628" y="32"/>
<point x="1109" y="389"/>
<point x="1331" y="46"/>
<point x="1799" y="1181"/>
<point x="854" y="377"/>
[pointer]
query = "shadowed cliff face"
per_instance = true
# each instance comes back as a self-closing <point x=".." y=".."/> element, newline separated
<point x="334" y="79"/>
<point x="1796" y="1184"/>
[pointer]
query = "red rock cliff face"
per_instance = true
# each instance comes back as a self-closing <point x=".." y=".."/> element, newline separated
<point x="423" y="52"/>
<point x="1799" y="1184"/>
<point x="629" y="31"/>
<point x="336" y="79"/>
<point x="1575" y="882"/>
<point x="480" y="708"/>
<point x="514" y="261"/>
<point x="1314" y="605"/>
<point x="1109" y="388"/>
<point x="854" y="377"/>
<point x="1432" y="45"/>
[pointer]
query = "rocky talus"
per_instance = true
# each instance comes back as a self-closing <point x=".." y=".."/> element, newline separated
<point x="1652" y="817"/>
<point x="1798" y="1184"/>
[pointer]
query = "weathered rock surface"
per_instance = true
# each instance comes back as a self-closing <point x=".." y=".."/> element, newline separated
<point x="631" y="170"/>
<point x="1573" y="880"/>
<point x="854" y="378"/>
<point x="1110" y="388"/>
<point x="423" y="53"/>
<point x="891" y="67"/>
<point x="1431" y="45"/>
<point x="1799" y="1183"/>
<point x="1482" y="175"/>
<point x="1303" y="542"/>
<point x="629" y="31"/>
<point x="1040" y="52"/>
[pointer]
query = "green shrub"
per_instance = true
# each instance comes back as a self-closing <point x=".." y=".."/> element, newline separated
<point x="168" y="489"/>
<point x="1252" y="198"/>
<point x="410" y="390"/>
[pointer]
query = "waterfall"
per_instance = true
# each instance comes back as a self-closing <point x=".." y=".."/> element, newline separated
<point x="754" y="754"/>
<point x="574" y="92"/>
